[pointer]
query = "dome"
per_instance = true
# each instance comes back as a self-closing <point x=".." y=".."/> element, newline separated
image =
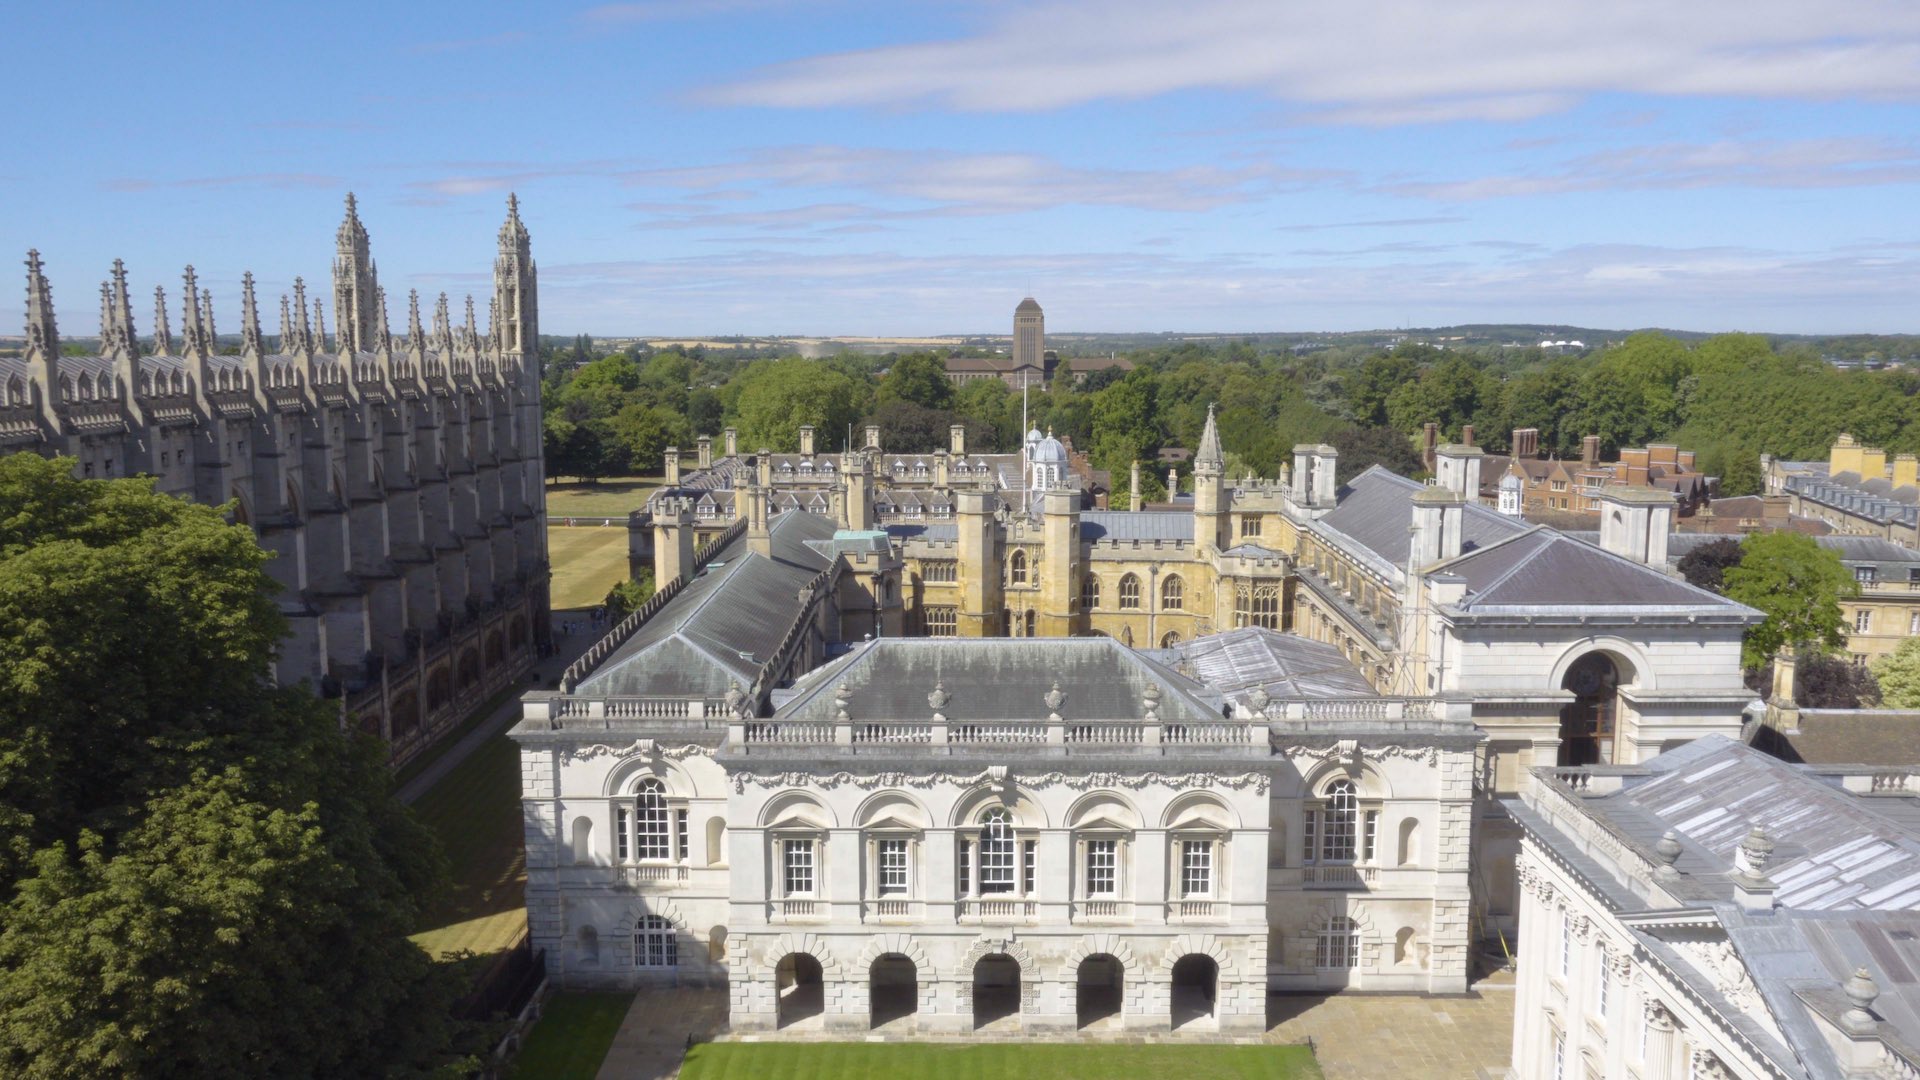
<point x="1034" y="436"/>
<point x="1049" y="451"/>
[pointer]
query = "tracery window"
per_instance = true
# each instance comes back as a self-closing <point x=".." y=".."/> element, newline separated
<point x="940" y="570"/>
<point x="1089" y="592"/>
<point x="1129" y="592"/>
<point x="654" y="943"/>
<point x="942" y="621"/>
<point x="1257" y="605"/>
<point x="1172" y="593"/>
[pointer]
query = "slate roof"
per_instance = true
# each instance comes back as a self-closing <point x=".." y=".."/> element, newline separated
<point x="1376" y="507"/>
<point x="1881" y="737"/>
<point x="1545" y="568"/>
<point x="1291" y="668"/>
<point x="725" y="624"/>
<point x="1134" y="525"/>
<point x="1833" y="850"/>
<point x="997" y="679"/>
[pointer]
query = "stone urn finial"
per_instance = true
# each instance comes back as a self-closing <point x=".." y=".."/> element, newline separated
<point x="734" y="699"/>
<point x="1260" y="699"/>
<point x="939" y="698"/>
<point x="1055" y="698"/>
<point x="1861" y="990"/>
<point x="1667" y="850"/>
<point x="842" y="697"/>
<point x="1150" y="701"/>
<point x="1756" y="851"/>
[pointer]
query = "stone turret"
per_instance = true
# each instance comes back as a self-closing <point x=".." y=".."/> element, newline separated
<point x="759" y="490"/>
<point x="980" y="591"/>
<point x="1209" y="488"/>
<point x="355" y="284"/>
<point x="673" y="545"/>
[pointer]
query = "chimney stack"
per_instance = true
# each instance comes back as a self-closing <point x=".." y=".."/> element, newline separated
<point x="704" y="445"/>
<point x="732" y="437"/>
<point x="1590" y="451"/>
<point x="1437" y="516"/>
<point x="1526" y="442"/>
<point x="1458" y="470"/>
<point x="806" y="440"/>
<point x="673" y="466"/>
<point x="1634" y="523"/>
<point x="1133" y="486"/>
<point x="957" y="440"/>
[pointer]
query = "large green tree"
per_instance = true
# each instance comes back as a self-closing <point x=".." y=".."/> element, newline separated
<point x="920" y="378"/>
<point x="1899" y="675"/>
<point x="1125" y="428"/>
<point x="773" y="399"/>
<point x="1798" y="585"/>
<point x="201" y="874"/>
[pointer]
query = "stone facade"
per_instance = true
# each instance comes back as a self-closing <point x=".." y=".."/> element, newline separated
<point x="397" y="479"/>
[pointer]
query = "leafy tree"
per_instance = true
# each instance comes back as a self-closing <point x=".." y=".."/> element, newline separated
<point x="908" y="428"/>
<point x="1706" y="565"/>
<point x="643" y="433"/>
<point x="1828" y="682"/>
<point x="989" y="403"/>
<point x="920" y="378"/>
<point x="1369" y="388"/>
<point x="1898" y="673"/>
<point x="1124" y="426"/>
<point x="625" y="598"/>
<point x="201" y="876"/>
<point x="1450" y="393"/>
<point x="1740" y="473"/>
<point x="774" y="399"/>
<point x="1363" y="447"/>
<point x="1798" y="585"/>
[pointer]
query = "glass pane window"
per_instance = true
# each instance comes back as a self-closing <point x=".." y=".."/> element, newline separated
<point x="680" y="835"/>
<point x="622" y="834"/>
<point x="1339" y="823"/>
<point x="893" y="867"/>
<point x="1103" y="864"/>
<point x="1196" y="868"/>
<point x="650" y="821"/>
<point x="797" y="862"/>
<point x="1030" y="868"/>
<point x="996" y="854"/>
<point x="1339" y="945"/>
<point x="1600" y="994"/>
<point x="654" y="944"/>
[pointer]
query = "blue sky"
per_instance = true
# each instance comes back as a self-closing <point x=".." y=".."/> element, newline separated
<point x="770" y="166"/>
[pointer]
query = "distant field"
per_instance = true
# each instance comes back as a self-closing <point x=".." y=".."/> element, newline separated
<point x="994" y="1061"/>
<point x="587" y="560"/>
<point x="613" y="497"/>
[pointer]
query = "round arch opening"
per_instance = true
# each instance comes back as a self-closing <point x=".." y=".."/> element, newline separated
<point x="1589" y="724"/>
<point x="893" y="990"/>
<point x="1099" y="990"/>
<point x="800" y="984"/>
<point x="1196" y="988"/>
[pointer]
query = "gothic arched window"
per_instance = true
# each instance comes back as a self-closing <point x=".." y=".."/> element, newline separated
<point x="1173" y="593"/>
<point x="1089" y="593"/>
<point x="1017" y="568"/>
<point x="1130" y="592"/>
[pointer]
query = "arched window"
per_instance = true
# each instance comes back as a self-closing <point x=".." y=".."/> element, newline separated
<point x="1172" y="593"/>
<point x="1339" y="829"/>
<point x="654" y="943"/>
<point x="1129" y="592"/>
<point x="1030" y="618"/>
<point x="1169" y="639"/>
<point x="1089" y="593"/>
<point x="1017" y="568"/>
<point x="998" y="874"/>
<point x="652" y="828"/>
<point x="1339" y="945"/>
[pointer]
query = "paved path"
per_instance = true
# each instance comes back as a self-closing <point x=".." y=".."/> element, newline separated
<point x="1406" y="1037"/>
<point x="568" y="649"/>
<point x="652" y="1039"/>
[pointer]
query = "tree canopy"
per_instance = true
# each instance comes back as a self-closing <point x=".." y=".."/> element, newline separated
<point x="1899" y="675"/>
<point x="202" y="875"/>
<point x="1798" y="585"/>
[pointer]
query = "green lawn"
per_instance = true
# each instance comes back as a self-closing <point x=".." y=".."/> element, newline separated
<point x="615" y="496"/>
<point x="572" y="1036"/>
<point x="475" y="810"/>
<point x="995" y="1061"/>
<point x="587" y="561"/>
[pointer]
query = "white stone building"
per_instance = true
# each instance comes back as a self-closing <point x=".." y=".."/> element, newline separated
<point x="1717" y="913"/>
<point x="740" y="786"/>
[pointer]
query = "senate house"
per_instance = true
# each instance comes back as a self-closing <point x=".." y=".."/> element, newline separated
<point x="1009" y="763"/>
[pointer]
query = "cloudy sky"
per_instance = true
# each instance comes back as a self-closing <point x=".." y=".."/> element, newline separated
<point x="776" y="166"/>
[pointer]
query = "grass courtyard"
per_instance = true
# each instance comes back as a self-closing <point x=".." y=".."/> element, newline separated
<point x="586" y="561"/>
<point x="615" y="496"/>
<point x="995" y="1061"/>
<point x="475" y="810"/>
<point x="572" y="1036"/>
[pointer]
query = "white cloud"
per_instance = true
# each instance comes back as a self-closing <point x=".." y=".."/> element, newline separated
<point x="1797" y="163"/>
<point x="1375" y="61"/>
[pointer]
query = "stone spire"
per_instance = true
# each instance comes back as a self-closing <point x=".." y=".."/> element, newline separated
<point x="43" y="337"/>
<point x="416" y="337"/>
<point x="442" y="326"/>
<point x="319" y="326"/>
<point x="162" y="326"/>
<point x="1209" y="454"/>
<point x="356" y="285"/>
<point x="517" y="328"/>
<point x="303" y="331"/>
<point x="117" y="336"/>
<point x="206" y="322"/>
<point x="193" y="332"/>
<point x="383" y="337"/>
<point x="250" y="343"/>
<point x="289" y="338"/>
